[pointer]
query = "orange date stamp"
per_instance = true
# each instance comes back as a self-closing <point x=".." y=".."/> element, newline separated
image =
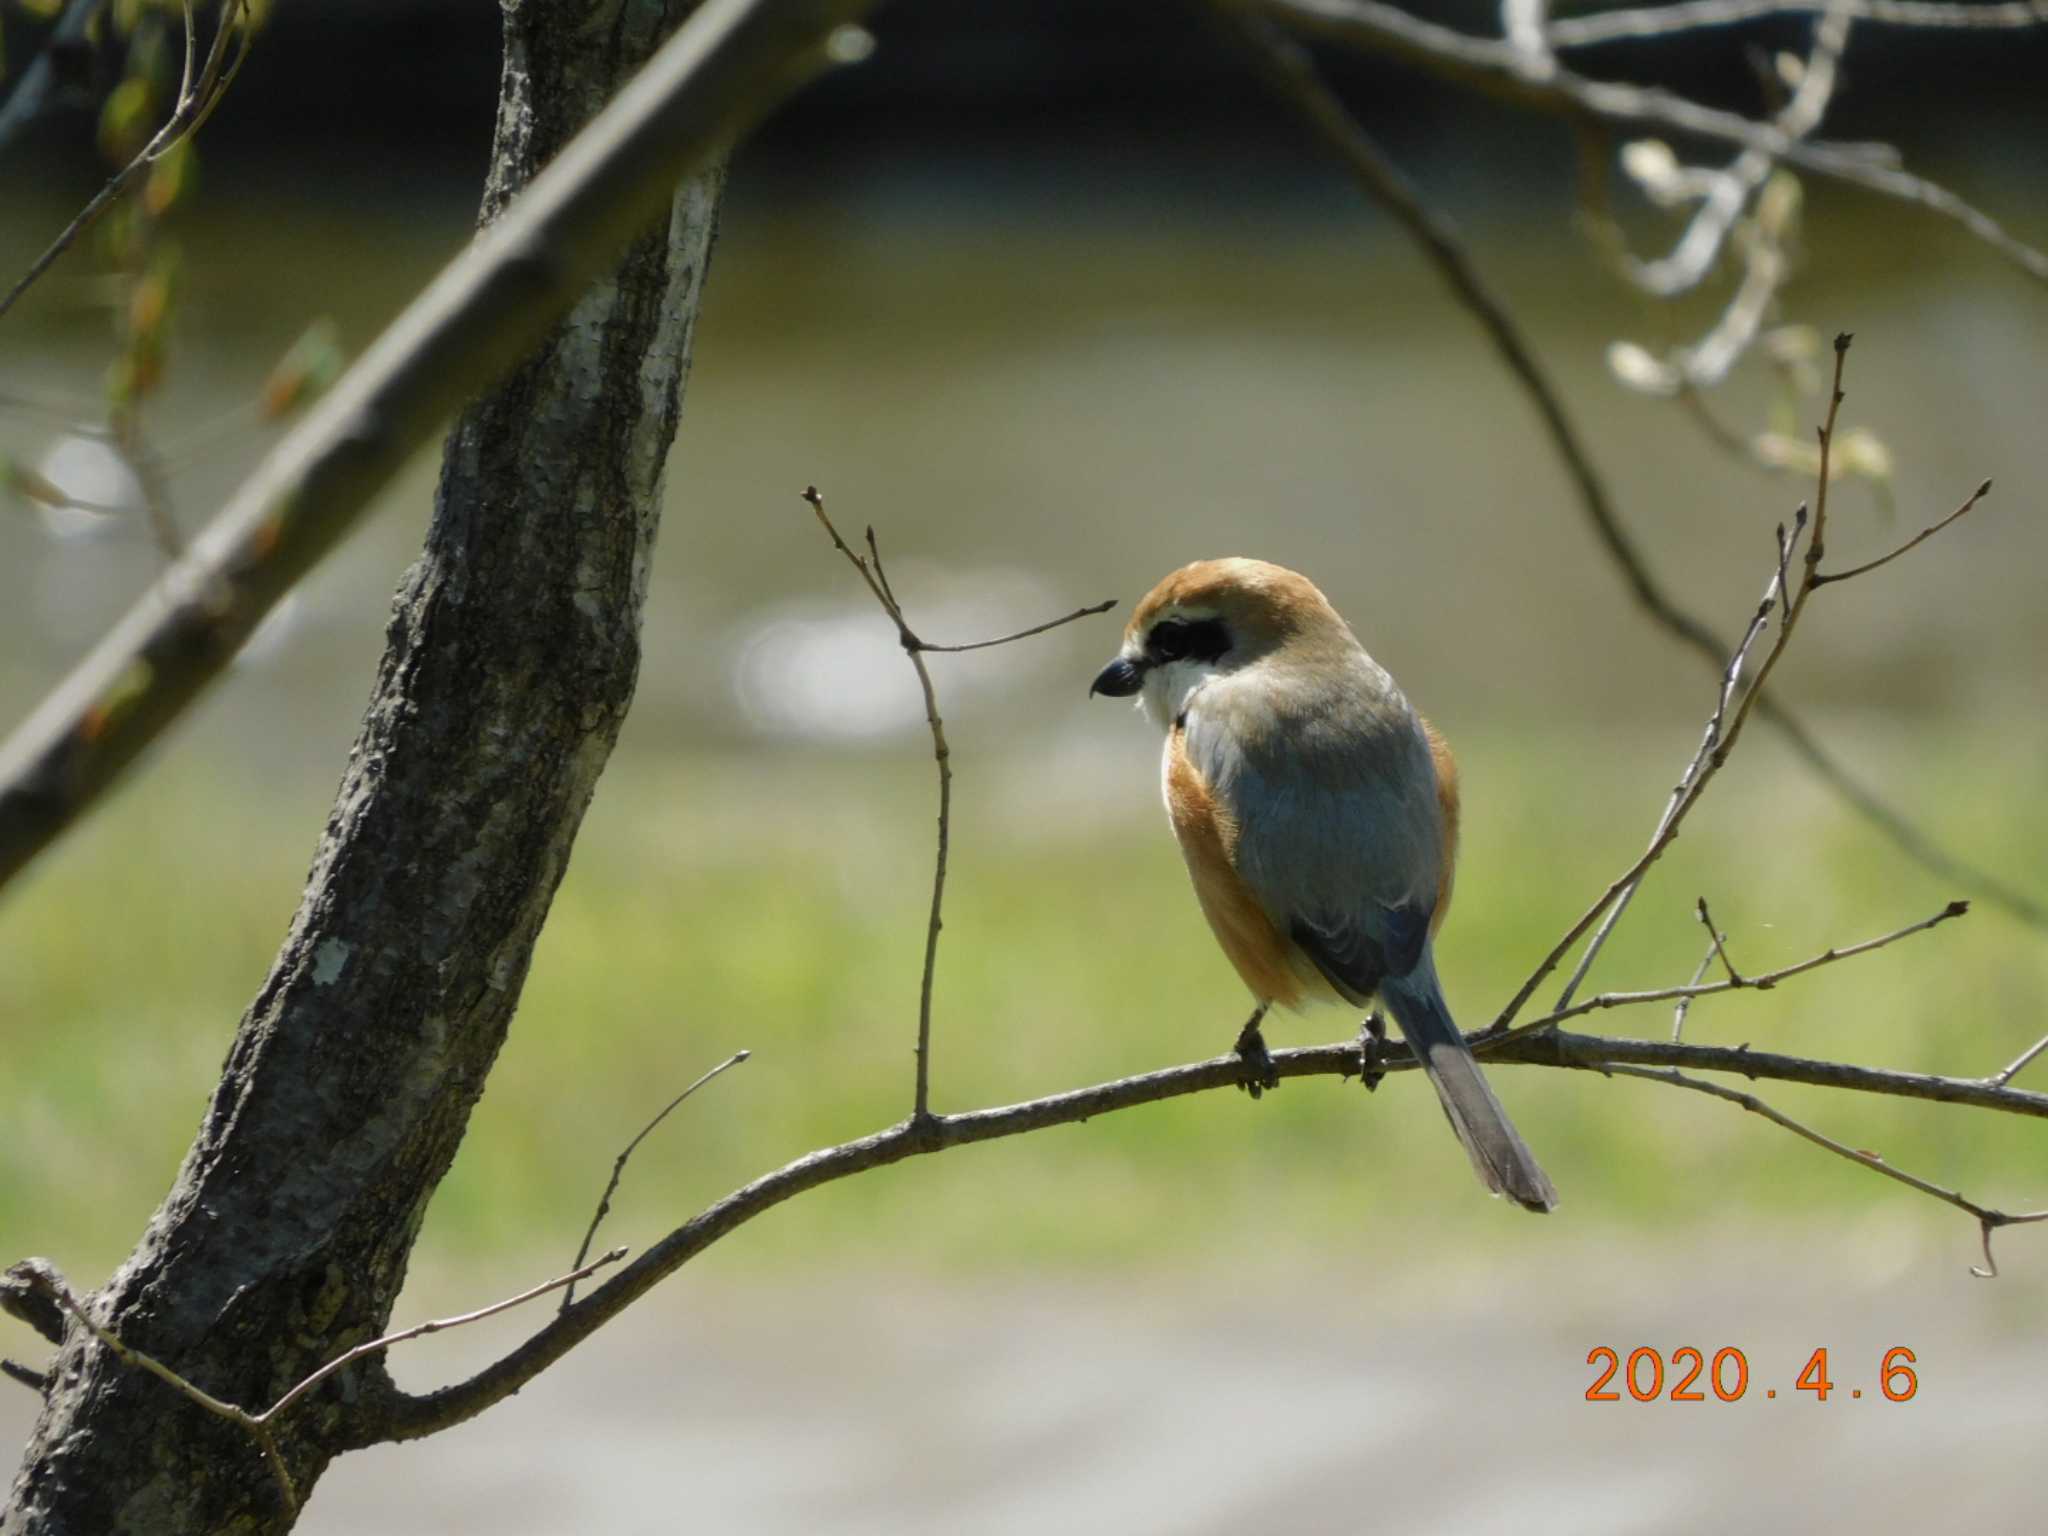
<point x="1694" y="1377"/>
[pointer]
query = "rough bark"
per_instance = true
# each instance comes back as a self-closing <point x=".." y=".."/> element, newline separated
<point x="510" y="662"/>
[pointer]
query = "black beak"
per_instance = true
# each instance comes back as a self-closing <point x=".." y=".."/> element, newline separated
<point x="1120" y="679"/>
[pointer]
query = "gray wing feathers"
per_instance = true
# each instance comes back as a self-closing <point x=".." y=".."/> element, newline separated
<point x="1334" y="795"/>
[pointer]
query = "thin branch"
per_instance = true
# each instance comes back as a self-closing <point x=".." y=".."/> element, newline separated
<point x="1821" y="578"/>
<point x="46" y="1279"/>
<point x="196" y="101"/>
<point x="1685" y="1002"/>
<point x="1492" y="66"/>
<point x="1735" y="977"/>
<point x="1988" y="1220"/>
<point x="438" y="1325"/>
<point x="40" y="1276"/>
<point x="1614" y="901"/>
<point x="1287" y="68"/>
<point x="726" y="65"/>
<point x="394" y="1415"/>
<point x="2019" y="1063"/>
<point x="1716" y="746"/>
<point x="35" y="1380"/>
<point x="1692" y="15"/>
<point x="1696" y="988"/>
<point x="604" y="1201"/>
<point x="1023" y="634"/>
<point x="877" y="580"/>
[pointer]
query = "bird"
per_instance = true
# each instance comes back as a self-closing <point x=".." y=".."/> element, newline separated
<point x="1318" y="816"/>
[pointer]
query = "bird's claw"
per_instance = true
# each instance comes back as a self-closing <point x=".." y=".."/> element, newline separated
<point x="1259" y="1071"/>
<point x="1372" y="1047"/>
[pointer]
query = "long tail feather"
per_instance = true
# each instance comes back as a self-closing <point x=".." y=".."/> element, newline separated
<point x="1501" y="1158"/>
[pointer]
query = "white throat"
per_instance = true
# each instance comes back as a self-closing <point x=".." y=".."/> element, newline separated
<point x="1170" y="685"/>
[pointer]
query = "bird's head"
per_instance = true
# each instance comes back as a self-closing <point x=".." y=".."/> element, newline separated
<point x="1213" y="618"/>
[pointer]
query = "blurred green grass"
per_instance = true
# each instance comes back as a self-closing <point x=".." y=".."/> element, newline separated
<point x="778" y="903"/>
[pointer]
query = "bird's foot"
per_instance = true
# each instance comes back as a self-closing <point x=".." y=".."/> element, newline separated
<point x="1372" y="1049"/>
<point x="1259" y="1071"/>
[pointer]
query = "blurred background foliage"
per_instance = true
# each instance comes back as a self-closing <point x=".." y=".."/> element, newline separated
<point x="1053" y="297"/>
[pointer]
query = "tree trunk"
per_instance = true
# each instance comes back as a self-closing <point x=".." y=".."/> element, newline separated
<point x="510" y="662"/>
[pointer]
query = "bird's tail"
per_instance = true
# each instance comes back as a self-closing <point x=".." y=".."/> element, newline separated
<point x="1501" y="1158"/>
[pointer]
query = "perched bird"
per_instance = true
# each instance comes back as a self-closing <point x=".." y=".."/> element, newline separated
<point x="1318" y="814"/>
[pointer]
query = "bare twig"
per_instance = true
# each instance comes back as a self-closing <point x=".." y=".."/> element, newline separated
<point x="1493" y="66"/>
<point x="438" y="1325"/>
<point x="1023" y="634"/>
<point x="1735" y="978"/>
<point x="604" y="1201"/>
<point x="1291" y="73"/>
<point x="1988" y="1220"/>
<point x="1706" y="762"/>
<point x="726" y="65"/>
<point x="1822" y="578"/>
<point x="876" y="577"/>
<point x="403" y="1416"/>
<point x="196" y="101"/>
<point x="1696" y="988"/>
<point x="1717" y="744"/>
<point x="1692" y="15"/>
<point x="2019" y="1063"/>
<point x="35" y="1380"/>
<point x="1685" y="1002"/>
<point x="46" y="1278"/>
<point x="42" y="1277"/>
<point x="870" y="568"/>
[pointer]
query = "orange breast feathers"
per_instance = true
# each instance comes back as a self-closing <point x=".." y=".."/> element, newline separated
<point x="1447" y="802"/>
<point x="1207" y="834"/>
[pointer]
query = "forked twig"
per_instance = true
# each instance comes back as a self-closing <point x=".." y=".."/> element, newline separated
<point x="1822" y="578"/>
<point x="1696" y="988"/>
<point x="1720" y="940"/>
<point x="41" y="1277"/>
<point x="1988" y="1220"/>
<point x="604" y="1201"/>
<point x="876" y="577"/>
<point x="2019" y="1063"/>
<point x="196" y="101"/>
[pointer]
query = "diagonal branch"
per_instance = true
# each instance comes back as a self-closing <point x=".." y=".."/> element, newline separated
<point x="725" y="67"/>
<point x="1288" y="70"/>
<point x="390" y="1415"/>
<point x="604" y="1201"/>
<point x="1988" y="1220"/>
<point x="1492" y="66"/>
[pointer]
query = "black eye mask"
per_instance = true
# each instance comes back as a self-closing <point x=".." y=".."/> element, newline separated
<point x="1176" y="639"/>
